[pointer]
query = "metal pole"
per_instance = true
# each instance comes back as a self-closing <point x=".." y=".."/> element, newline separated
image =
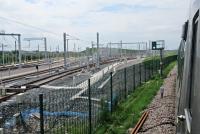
<point x="79" y="56"/>
<point x="29" y="43"/>
<point x="145" y="79"/>
<point x="74" y="51"/>
<point x="98" y="57"/>
<point x="161" y="63"/>
<point x="149" y="71"/>
<point x="19" y="49"/>
<point x="65" y="59"/>
<point x="90" y="107"/>
<point x="139" y="51"/>
<point x="111" y="93"/>
<point x="15" y="52"/>
<point x="125" y="51"/>
<point x="50" y="54"/>
<point x="2" y="53"/>
<point x="67" y="48"/>
<point x="92" y="52"/>
<point x="110" y="50"/>
<point x="38" y="52"/>
<point x="125" y="86"/>
<point x="107" y="51"/>
<point x="152" y="67"/>
<point x="146" y="50"/>
<point x="140" y="73"/>
<point x="41" y="114"/>
<point x="45" y="47"/>
<point x="121" y="48"/>
<point x="58" y="53"/>
<point x="134" y="77"/>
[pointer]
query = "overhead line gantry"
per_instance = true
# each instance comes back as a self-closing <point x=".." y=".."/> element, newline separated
<point x="19" y="43"/>
<point x="39" y="38"/>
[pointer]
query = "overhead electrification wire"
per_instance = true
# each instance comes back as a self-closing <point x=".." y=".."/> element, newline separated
<point x="37" y="28"/>
<point x="27" y="25"/>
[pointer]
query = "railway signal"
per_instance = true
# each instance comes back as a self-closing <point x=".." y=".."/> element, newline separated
<point x="159" y="45"/>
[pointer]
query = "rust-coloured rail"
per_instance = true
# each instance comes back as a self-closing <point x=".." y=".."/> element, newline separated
<point x="140" y="123"/>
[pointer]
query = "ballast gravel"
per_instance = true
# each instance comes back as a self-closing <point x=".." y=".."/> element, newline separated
<point x="161" y="118"/>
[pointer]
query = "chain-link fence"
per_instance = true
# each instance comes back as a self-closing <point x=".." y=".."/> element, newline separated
<point x="75" y="110"/>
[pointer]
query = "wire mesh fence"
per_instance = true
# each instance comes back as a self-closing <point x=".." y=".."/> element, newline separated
<point x="76" y="110"/>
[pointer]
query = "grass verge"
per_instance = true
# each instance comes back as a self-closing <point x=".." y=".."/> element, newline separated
<point x="128" y="112"/>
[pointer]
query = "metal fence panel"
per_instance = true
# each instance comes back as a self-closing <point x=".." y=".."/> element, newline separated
<point x="75" y="110"/>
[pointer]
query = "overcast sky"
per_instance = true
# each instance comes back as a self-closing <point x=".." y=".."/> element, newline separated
<point x="115" y="20"/>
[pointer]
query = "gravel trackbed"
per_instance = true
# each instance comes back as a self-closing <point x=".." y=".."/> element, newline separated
<point x="161" y="119"/>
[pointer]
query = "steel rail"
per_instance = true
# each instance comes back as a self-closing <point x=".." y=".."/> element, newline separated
<point x="18" y="77"/>
<point x="139" y="124"/>
<point x="48" y="79"/>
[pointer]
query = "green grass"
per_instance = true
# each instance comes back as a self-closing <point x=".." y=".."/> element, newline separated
<point x="168" y="69"/>
<point x="128" y="112"/>
<point x="158" y="57"/>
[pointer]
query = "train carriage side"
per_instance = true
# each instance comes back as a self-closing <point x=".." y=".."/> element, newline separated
<point x="188" y="97"/>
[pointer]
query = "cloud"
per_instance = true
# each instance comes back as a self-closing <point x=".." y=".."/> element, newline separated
<point x="122" y="7"/>
<point x="130" y="20"/>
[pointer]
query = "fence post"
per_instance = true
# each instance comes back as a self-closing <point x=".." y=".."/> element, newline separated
<point x="90" y="107"/>
<point x="161" y="63"/>
<point x="156" y="66"/>
<point x="140" y="72"/>
<point x="134" y="77"/>
<point x="125" y="82"/>
<point x="41" y="114"/>
<point x="149" y="70"/>
<point x="145" y="79"/>
<point x="152" y="68"/>
<point x="111" y="93"/>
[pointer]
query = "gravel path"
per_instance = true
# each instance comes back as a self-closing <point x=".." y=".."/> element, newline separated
<point x="161" y="119"/>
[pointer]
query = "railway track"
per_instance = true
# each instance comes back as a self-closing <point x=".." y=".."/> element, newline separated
<point x="5" y="81"/>
<point x="26" y="65"/>
<point x="22" y="76"/>
<point x="53" y="77"/>
<point x="44" y="80"/>
<point x="140" y="123"/>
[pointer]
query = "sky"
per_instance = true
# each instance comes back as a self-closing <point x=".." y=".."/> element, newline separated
<point x="115" y="20"/>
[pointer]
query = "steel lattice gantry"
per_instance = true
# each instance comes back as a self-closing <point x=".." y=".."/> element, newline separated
<point x="19" y="43"/>
<point x="126" y="43"/>
<point x="39" y="38"/>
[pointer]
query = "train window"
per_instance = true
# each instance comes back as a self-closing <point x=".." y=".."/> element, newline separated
<point x="185" y="30"/>
<point x="193" y="58"/>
